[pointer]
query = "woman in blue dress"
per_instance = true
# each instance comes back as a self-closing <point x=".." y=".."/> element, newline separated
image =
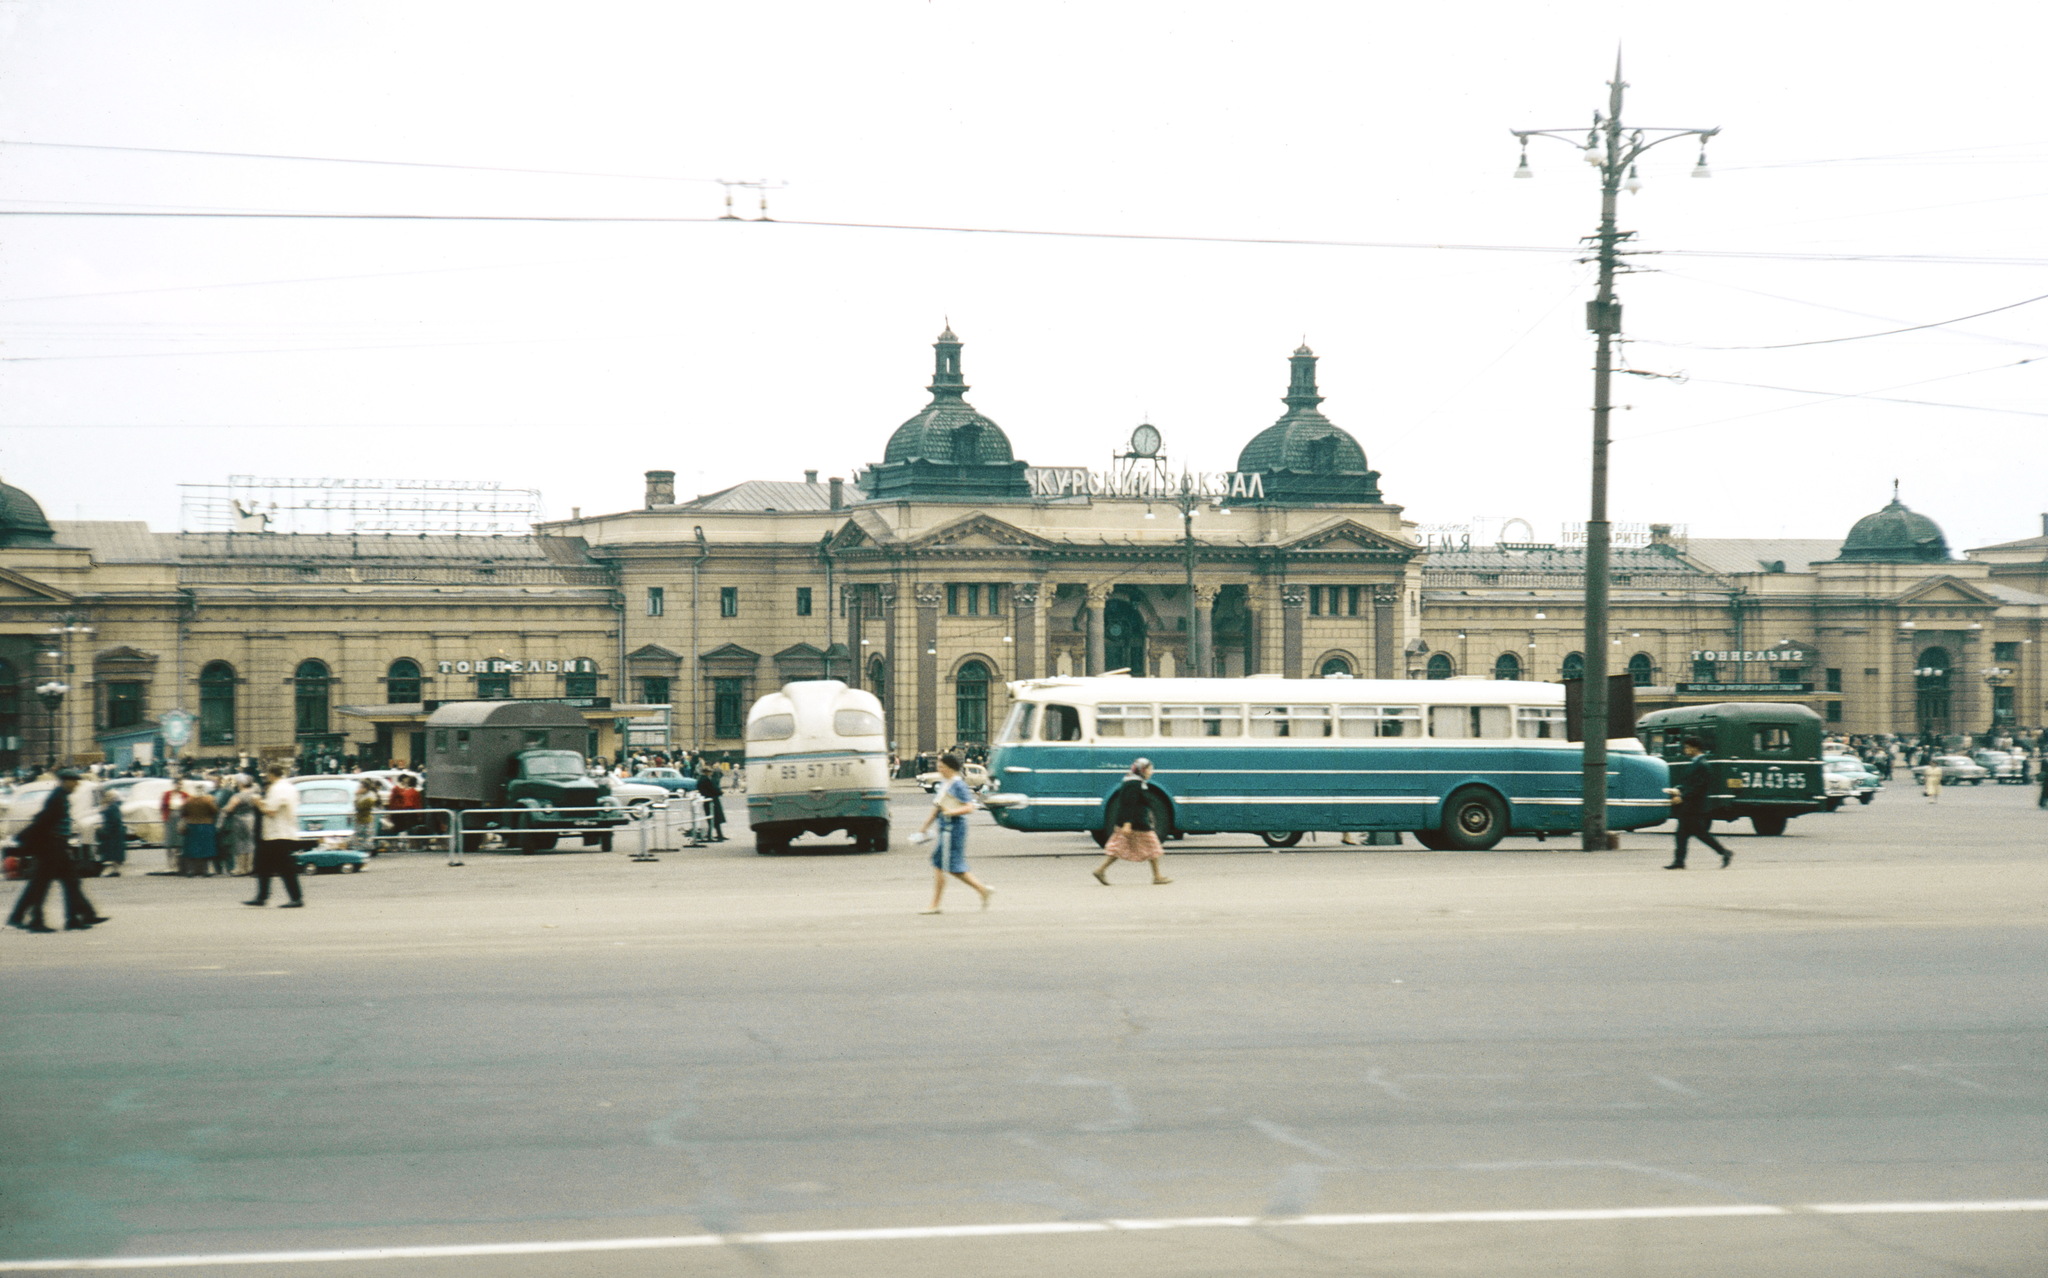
<point x="949" y="855"/>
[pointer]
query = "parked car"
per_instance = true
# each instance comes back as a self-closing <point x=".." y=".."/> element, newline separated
<point x="141" y="806"/>
<point x="637" y="794"/>
<point x="974" y="774"/>
<point x="1848" y="778"/>
<point x="327" y="818"/>
<point x="2005" y="767"/>
<point x="674" y="780"/>
<point x="1956" y="769"/>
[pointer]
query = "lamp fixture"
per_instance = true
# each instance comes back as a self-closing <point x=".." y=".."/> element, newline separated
<point x="1634" y="183"/>
<point x="1522" y="169"/>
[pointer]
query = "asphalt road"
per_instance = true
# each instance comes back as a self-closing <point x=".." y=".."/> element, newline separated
<point x="1525" y="1062"/>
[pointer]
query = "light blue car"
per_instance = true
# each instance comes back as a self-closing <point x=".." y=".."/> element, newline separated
<point x="327" y="817"/>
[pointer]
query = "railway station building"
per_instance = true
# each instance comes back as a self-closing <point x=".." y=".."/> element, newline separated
<point x="945" y="569"/>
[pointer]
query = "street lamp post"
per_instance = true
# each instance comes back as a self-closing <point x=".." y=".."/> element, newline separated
<point x="1612" y="148"/>
<point x="1187" y="497"/>
<point x="52" y="693"/>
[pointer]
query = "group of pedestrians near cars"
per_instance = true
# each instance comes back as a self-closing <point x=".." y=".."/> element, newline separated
<point x="72" y="831"/>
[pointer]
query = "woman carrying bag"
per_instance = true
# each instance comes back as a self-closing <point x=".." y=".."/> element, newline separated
<point x="950" y="808"/>
<point x="1130" y="820"/>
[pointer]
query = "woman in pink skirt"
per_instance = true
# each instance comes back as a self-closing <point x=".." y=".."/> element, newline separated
<point x="1130" y="820"/>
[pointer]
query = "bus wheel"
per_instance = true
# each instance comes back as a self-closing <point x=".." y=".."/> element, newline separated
<point x="1768" y="825"/>
<point x="1280" y="838"/>
<point x="1474" y="820"/>
<point x="1433" y="840"/>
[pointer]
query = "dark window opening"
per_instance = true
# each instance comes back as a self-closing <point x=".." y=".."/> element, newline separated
<point x="728" y="601"/>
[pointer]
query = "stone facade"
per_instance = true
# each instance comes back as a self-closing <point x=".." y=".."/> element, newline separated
<point x="946" y="571"/>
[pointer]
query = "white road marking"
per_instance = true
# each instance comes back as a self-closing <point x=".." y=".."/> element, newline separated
<point x="925" y="1233"/>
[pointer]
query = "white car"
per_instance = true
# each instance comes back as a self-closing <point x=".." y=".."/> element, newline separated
<point x="974" y="774"/>
<point x="635" y="796"/>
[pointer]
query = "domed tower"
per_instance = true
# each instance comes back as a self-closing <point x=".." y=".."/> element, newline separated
<point x="1305" y="457"/>
<point x="1894" y="535"/>
<point x="948" y="452"/>
<point x="21" y="520"/>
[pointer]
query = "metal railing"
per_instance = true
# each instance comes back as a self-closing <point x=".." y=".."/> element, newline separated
<point x="642" y="829"/>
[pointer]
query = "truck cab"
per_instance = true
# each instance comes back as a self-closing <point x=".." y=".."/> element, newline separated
<point x="520" y="767"/>
<point x="1765" y="757"/>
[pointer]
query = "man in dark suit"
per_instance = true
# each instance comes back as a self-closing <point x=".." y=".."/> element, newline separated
<point x="1694" y="780"/>
<point x="47" y="838"/>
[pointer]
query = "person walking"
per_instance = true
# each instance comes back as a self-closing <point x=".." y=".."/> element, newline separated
<point x="1930" y="779"/>
<point x="1695" y="779"/>
<point x="171" y="808"/>
<point x="714" y="807"/>
<point x="195" y="858"/>
<point x="950" y="806"/>
<point x="47" y="838"/>
<point x="277" y="826"/>
<point x="366" y="816"/>
<point x="1132" y="836"/>
<point x="111" y="842"/>
<point x="235" y="827"/>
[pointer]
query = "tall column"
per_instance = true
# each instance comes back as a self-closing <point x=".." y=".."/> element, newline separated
<point x="1024" y="629"/>
<point x="1969" y="703"/>
<point x="891" y="691"/>
<point x="1098" y="601"/>
<point x="928" y="599"/>
<point x="856" y="634"/>
<point x="1293" y="602"/>
<point x="1385" y="630"/>
<point x="1204" y="664"/>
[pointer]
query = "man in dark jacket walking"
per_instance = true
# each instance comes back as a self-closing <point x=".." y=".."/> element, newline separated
<point x="714" y="805"/>
<point x="1694" y="780"/>
<point x="47" y="838"/>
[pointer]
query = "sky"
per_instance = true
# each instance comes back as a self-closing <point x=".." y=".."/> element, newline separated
<point x="1870" y="175"/>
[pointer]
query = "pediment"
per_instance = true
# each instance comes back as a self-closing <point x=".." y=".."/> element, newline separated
<point x="15" y="586"/>
<point x="980" y="532"/>
<point x="731" y="654"/>
<point x="653" y="652"/>
<point x="1948" y="590"/>
<point x="866" y="528"/>
<point x="124" y="656"/>
<point x="1350" y="535"/>
<point x="800" y="652"/>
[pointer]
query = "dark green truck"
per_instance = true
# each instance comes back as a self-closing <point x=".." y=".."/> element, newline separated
<point x="488" y="756"/>
<point x="1765" y="757"/>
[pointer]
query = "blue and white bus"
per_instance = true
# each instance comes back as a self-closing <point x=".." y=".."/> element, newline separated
<point x="1459" y="763"/>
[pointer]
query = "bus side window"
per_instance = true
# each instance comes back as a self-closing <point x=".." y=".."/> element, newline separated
<point x="1774" y="740"/>
<point x="1450" y="722"/>
<point x="1019" y="726"/>
<point x="1123" y="721"/>
<point x="1358" y="721"/>
<point x="1062" y="723"/>
<point x="1269" y="721"/>
<point x="1401" y="721"/>
<point x="1540" y="722"/>
<point x="1308" y="721"/>
<point x="1490" y="721"/>
<point x="1653" y="741"/>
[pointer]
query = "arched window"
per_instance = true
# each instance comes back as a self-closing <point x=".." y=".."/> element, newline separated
<point x="1931" y="690"/>
<point x="314" y="684"/>
<point x="1336" y="666"/>
<point x="582" y="681"/>
<point x="1507" y="666"/>
<point x="402" y="682"/>
<point x="878" y="677"/>
<point x="1642" y="670"/>
<point x="1440" y="666"/>
<point x="970" y="703"/>
<point x="217" y="704"/>
<point x="1575" y="665"/>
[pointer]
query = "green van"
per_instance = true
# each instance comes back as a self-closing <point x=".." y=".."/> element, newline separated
<point x="1765" y="757"/>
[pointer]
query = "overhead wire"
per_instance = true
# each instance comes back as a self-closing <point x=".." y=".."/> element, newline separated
<point x="338" y="159"/>
<point x="1827" y="397"/>
<point x="1857" y="337"/>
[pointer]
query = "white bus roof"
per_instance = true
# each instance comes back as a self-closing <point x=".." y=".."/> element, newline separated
<point x="1259" y="689"/>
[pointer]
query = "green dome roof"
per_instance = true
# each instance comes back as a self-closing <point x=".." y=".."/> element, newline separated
<point x="949" y="430"/>
<point x="21" y="520"/>
<point x="1305" y="457"/>
<point x="1895" y="535"/>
